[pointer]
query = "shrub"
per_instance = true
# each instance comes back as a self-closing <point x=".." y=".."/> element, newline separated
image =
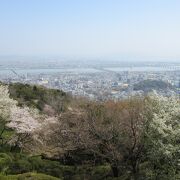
<point x="5" y="160"/>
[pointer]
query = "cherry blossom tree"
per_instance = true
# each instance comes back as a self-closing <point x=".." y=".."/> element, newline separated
<point x="163" y="134"/>
<point x="6" y="104"/>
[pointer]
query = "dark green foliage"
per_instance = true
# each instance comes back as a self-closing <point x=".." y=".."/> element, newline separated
<point x="13" y="164"/>
<point x="38" y="97"/>
<point x="5" y="161"/>
<point x="5" y="135"/>
<point x="54" y="168"/>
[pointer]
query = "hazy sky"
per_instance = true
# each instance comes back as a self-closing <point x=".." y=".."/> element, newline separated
<point x="90" y="27"/>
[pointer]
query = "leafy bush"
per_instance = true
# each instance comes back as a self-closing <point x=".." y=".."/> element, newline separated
<point x="5" y="160"/>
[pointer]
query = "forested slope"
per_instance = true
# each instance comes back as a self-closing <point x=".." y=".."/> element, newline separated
<point x="51" y="133"/>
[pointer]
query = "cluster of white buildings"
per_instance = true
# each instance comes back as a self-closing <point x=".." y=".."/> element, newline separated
<point x="100" y="85"/>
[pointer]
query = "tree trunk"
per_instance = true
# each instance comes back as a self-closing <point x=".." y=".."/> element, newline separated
<point x="135" y="170"/>
<point x="115" y="171"/>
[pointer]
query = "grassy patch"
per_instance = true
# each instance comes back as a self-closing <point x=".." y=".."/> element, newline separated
<point x="28" y="176"/>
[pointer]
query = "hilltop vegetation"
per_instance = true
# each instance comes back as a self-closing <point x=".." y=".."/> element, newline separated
<point x="39" y="97"/>
<point x="53" y="134"/>
<point x="149" y="85"/>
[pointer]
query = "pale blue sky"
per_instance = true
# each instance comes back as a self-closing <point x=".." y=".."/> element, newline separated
<point x="90" y="27"/>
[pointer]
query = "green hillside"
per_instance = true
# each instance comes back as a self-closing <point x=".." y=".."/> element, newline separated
<point x="149" y="85"/>
<point x="39" y="96"/>
<point x="74" y="138"/>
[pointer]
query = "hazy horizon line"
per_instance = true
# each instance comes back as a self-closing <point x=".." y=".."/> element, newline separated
<point x="120" y="58"/>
